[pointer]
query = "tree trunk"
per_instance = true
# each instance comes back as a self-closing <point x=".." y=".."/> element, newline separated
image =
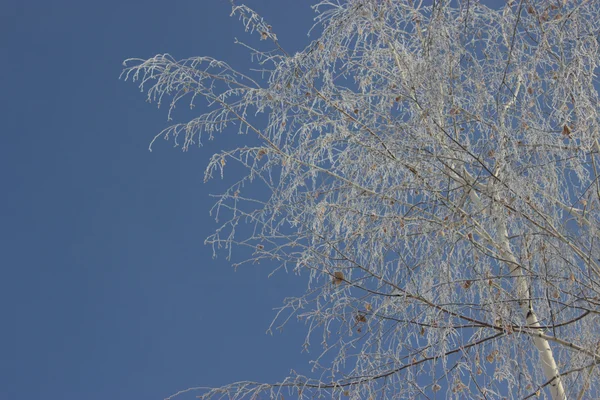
<point x="523" y="293"/>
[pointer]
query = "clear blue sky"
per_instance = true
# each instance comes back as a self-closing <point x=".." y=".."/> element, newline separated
<point x="107" y="290"/>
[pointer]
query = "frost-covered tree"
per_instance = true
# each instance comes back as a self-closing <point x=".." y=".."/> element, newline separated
<point x="433" y="170"/>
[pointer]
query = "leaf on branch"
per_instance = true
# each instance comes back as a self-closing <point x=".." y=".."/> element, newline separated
<point x="459" y="387"/>
<point x="261" y="153"/>
<point x="492" y="356"/>
<point x="338" y="277"/>
<point x="566" y="131"/>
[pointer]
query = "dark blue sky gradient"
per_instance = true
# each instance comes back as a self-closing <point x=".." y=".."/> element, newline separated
<point x="108" y="291"/>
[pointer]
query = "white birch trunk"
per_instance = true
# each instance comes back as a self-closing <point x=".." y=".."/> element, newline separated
<point x="546" y="356"/>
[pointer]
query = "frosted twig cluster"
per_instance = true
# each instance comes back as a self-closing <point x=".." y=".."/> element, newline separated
<point x="433" y="171"/>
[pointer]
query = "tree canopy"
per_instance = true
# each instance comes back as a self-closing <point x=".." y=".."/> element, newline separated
<point x="433" y="169"/>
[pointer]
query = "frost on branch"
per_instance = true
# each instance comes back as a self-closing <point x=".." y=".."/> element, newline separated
<point x="433" y="171"/>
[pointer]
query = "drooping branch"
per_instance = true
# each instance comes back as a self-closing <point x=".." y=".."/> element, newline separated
<point x="432" y="171"/>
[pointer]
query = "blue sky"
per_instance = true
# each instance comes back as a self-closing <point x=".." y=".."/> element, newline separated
<point x="107" y="288"/>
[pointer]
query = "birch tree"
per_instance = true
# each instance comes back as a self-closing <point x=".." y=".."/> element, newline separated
<point x="432" y="169"/>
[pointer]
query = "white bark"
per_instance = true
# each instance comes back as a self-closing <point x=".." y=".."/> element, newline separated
<point x="548" y="364"/>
